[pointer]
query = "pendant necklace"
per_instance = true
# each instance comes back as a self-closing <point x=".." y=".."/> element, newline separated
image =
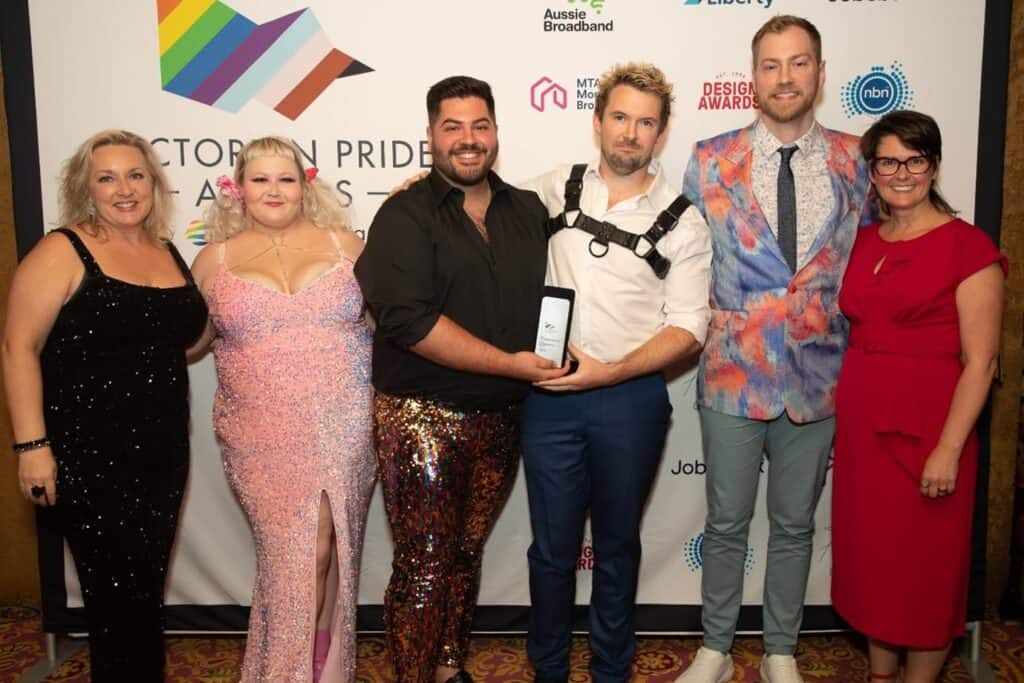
<point x="277" y="241"/>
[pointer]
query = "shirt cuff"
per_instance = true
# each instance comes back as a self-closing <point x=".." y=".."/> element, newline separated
<point x="694" y="323"/>
<point x="412" y="332"/>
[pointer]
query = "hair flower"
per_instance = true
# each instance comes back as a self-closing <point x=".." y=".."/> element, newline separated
<point x="311" y="173"/>
<point x="229" y="188"/>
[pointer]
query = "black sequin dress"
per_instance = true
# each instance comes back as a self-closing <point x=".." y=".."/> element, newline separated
<point x="115" y="391"/>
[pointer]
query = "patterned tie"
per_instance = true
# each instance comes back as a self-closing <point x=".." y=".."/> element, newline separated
<point x="787" y="208"/>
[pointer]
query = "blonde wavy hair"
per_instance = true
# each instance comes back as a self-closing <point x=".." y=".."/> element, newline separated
<point x="75" y="201"/>
<point x="227" y="216"/>
<point x="643" y="76"/>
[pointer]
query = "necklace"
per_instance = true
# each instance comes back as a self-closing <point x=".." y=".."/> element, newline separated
<point x="478" y="223"/>
<point x="477" y="216"/>
<point x="276" y="238"/>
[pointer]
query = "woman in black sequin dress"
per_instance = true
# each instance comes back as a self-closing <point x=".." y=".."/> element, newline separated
<point x="100" y="315"/>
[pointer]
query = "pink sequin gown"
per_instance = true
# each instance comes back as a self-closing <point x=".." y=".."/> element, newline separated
<point x="293" y="417"/>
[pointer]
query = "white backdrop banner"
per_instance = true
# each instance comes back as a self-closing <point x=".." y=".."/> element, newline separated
<point x="346" y="79"/>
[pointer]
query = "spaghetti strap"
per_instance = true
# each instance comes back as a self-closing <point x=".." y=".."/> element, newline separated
<point x="337" y="243"/>
<point x="221" y="252"/>
<point x="83" y="252"/>
<point x="182" y="266"/>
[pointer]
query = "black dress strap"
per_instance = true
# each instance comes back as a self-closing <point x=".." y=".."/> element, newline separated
<point x="91" y="267"/>
<point x="182" y="266"/>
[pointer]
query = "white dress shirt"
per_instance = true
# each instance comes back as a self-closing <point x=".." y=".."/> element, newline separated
<point x="620" y="302"/>
<point x="815" y="199"/>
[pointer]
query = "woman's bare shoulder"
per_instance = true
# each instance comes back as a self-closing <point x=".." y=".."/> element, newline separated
<point x="351" y="243"/>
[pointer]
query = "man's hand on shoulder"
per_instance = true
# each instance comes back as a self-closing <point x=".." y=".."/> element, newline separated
<point x="408" y="182"/>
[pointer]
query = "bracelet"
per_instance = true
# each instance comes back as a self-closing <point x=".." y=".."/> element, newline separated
<point x="26" y="446"/>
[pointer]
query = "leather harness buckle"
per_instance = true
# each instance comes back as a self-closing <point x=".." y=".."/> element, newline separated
<point x="603" y="232"/>
<point x="666" y="220"/>
<point x="640" y="241"/>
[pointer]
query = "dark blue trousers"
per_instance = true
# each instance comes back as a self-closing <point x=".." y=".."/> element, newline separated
<point x="594" y="450"/>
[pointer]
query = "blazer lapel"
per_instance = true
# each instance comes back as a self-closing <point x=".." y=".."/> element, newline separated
<point x="843" y="171"/>
<point x="735" y="165"/>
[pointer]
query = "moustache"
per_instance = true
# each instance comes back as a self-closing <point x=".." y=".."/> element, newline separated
<point x="468" y="148"/>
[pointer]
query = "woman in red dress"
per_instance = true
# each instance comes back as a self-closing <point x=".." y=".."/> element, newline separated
<point x="923" y="293"/>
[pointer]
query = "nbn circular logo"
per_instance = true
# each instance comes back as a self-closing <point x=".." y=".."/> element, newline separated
<point x="877" y="92"/>
<point x="693" y="554"/>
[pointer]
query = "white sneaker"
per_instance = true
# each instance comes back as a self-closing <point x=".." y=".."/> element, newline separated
<point x="709" y="666"/>
<point x="780" y="669"/>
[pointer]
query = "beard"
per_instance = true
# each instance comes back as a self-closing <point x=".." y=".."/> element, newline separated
<point x="463" y="176"/>
<point x="781" y="114"/>
<point x="624" y="165"/>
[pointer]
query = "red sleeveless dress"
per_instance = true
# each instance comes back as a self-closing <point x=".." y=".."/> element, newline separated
<point x="901" y="560"/>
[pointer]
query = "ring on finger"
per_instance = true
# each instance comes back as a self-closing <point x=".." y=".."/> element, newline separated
<point x="38" y="491"/>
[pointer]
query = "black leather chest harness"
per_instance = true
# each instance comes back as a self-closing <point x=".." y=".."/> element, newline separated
<point x="643" y="246"/>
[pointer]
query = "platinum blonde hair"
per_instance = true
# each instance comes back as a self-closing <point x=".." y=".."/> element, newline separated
<point x="227" y="216"/>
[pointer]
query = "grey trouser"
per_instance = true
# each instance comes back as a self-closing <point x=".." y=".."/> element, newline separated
<point x="798" y="460"/>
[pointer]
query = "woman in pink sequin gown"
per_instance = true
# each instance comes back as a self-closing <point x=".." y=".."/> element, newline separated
<point x="292" y="411"/>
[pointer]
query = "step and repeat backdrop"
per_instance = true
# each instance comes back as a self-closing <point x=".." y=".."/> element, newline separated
<point x="346" y="79"/>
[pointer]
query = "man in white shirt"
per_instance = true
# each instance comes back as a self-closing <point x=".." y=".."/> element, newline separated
<point x="592" y="439"/>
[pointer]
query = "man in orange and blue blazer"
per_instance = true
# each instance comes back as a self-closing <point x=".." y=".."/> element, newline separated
<point x="783" y="200"/>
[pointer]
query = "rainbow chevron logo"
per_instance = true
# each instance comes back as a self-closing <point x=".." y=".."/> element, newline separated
<point x="212" y="54"/>
<point x="196" y="233"/>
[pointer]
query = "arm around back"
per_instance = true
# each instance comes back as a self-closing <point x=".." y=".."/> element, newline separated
<point x="204" y="268"/>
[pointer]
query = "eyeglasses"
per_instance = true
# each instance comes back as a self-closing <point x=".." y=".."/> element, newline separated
<point x="890" y="166"/>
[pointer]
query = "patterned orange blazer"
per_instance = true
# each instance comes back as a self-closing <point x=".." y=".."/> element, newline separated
<point x="777" y="339"/>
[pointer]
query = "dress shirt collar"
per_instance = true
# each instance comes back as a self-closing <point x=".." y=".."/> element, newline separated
<point x="656" y="192"/>
<point x="440" y="188"/>
<point x="811" y="142"/>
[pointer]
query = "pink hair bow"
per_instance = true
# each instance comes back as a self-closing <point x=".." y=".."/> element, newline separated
<point x="311" y="173"/>
<point x="229" y="188"/>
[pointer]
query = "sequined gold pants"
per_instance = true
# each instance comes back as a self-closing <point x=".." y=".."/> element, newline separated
<point x="445" y="475"/>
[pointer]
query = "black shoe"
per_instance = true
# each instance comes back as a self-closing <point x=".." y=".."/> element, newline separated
<point x="460" y="676"/>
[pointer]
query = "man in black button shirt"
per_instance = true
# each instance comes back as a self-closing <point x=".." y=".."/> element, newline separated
<point x="453" y="273"/>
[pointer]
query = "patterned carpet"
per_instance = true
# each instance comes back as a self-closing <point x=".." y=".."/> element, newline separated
<point x="839" y="658"/>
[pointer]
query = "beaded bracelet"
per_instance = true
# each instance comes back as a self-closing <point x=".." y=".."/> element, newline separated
<point x="26" y="446"/>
